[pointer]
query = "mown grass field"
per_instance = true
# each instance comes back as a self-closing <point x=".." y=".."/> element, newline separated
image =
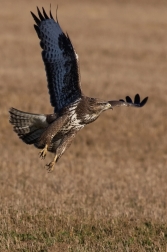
<point x="109" y="190"/>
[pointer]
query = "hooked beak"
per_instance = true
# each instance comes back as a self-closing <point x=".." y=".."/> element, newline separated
<point x="108" y="106"/>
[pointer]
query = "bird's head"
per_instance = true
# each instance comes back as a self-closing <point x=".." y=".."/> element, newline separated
<point x="89" y="109"/>
<point x="97" y="106"/>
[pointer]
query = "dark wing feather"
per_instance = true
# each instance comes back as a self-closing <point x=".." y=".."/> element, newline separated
<point x="129" y="102"/>
<point x="60" y="59"/>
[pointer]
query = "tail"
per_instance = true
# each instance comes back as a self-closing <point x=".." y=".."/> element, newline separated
<point x="28" y="127"/>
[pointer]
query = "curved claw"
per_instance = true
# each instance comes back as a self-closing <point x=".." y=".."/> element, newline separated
<point x="43" y="152"/>
<point x="50" y="166"/>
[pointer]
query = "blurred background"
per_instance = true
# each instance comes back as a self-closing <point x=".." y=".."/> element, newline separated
<point x="116" y="166"/>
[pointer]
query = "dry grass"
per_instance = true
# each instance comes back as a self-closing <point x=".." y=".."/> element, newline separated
<point x="108" y="192"/>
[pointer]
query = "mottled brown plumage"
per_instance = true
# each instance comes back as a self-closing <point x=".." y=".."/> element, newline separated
<point x="72" y="109"/>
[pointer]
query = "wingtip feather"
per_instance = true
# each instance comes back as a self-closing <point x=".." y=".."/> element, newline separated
<point x="50" y="13"/>
<point x="128" y="99"/>
<point x="144" y="101"/>
<point x="44" y="13"/>
<point x="40" y="14"/>
<point x="37" y="21"/>
<point x="137" y="99"/>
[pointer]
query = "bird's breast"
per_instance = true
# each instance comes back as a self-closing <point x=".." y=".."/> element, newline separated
<point x="73" y="122"/>
<point x="89" y="118"/>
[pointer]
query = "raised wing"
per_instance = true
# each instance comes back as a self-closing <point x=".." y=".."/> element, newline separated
<point x="60" y="59"/>
<point x="137" y="103"/>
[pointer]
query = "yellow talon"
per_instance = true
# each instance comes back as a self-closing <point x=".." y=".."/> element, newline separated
<point x="43" y="152"/>
<point x="50" y="166"/>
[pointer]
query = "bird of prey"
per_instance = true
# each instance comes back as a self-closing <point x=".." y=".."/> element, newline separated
<point x="72" y="109"/>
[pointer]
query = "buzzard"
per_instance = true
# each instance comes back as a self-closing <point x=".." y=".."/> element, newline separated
<point x="72" y="109"/>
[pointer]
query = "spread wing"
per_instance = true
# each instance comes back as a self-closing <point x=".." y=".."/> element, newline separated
<point x="137" y="103"/>
<point x="60" y="59"/>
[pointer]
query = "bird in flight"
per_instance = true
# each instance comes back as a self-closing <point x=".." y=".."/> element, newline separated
<point x="72" y="109"/>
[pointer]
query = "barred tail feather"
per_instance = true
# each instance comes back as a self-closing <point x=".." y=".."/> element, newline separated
<point x="28" y="126"/>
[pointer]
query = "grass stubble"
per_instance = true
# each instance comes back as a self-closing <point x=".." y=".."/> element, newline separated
<point x="108" y="192"/>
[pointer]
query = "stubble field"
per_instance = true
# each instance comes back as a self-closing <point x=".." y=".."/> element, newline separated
<point x="109" y="191"/>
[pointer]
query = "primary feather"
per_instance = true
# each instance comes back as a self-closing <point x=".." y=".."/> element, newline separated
<point x="61" y="61"/>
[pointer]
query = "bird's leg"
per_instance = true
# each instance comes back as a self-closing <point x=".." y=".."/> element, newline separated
<point x="48" y="134"/>
<point x="43" y="152"/>
<point x="64" y="144"/>
<point x="50" y="166"/>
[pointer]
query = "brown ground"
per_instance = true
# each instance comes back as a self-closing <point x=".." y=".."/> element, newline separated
<point x="109" y="190"/>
